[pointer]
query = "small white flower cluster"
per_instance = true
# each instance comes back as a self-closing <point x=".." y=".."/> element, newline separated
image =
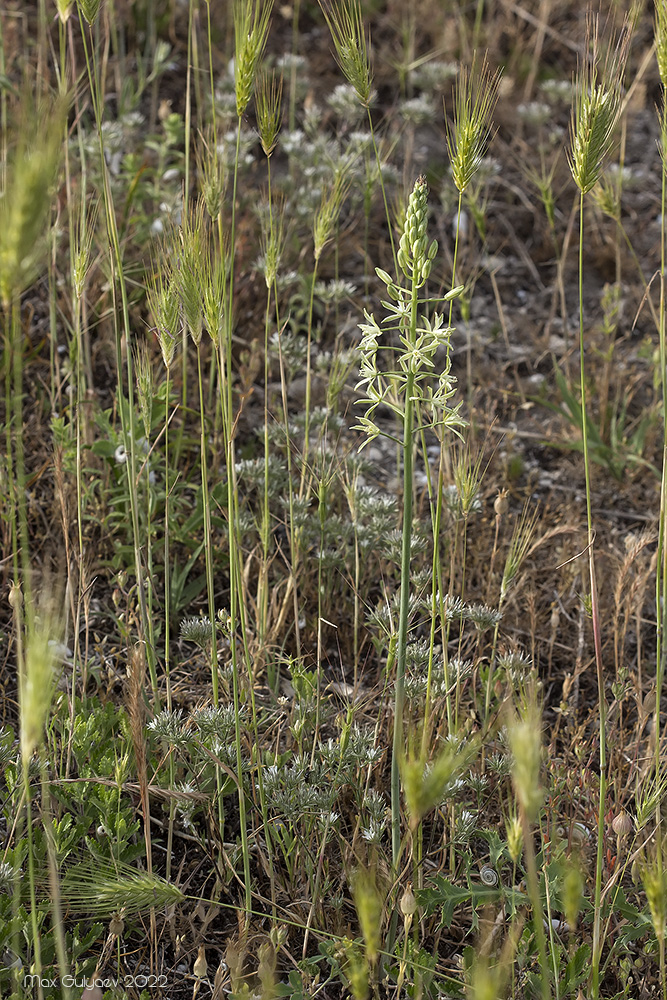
<point x="434" y="74"/>
<point x="373" y="811"/>
<point x="418" y="110"/>
<point x="534" y="112"/>
<point x="343" y="101"/>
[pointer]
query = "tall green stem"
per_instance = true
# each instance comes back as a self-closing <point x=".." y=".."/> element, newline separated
<point x="597" y="944"/>
<point x="536" y="901"/>
<point x="406" y="550"/>
<point x="208" y="547"/>
<point x="378" y="162"/>
<point x="661" y="568"/>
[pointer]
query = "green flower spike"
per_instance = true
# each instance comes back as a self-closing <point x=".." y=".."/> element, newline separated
<point x="413" y="256"/>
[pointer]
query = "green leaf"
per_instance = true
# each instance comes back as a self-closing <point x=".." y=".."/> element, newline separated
<point x="447" y="897"/>
<point x="103" y="449"/>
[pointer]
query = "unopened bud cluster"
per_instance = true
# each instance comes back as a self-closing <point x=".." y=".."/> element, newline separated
<point x="414" y="257"/>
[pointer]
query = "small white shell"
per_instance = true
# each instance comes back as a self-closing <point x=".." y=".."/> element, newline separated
<point x="489" y="876"/>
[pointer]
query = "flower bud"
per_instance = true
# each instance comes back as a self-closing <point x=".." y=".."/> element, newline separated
<point x="622" y="824"/>
<point x="501" y="503"/>
<point x="15" y="595"/>
<point x="200" y="968"/>
<point x="408" y="903"/>
<point x="419" y="248"/>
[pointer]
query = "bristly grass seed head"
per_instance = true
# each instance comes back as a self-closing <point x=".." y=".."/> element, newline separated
<point x="251" y="28"/>
<point x="525" y="740"/>
<point x="268" y="109"/>
<point x="468" y="475"/>
<point x="165" y="306"/>
<point x="90" y="9"/>
<point x="475" y="96"/>
<point x="519" y="546"/>
<point x="346" y="25"/>
<point x="661" y="39"/>
<point x="654" y="877"/>
<point x="326" y="217"/>
<point x="26" y="199"/>
<point x="272" y="221"/>
<point x="36" y="681"/>
<point x="212" y="169"/>
<point x="368" y="903"/>
<point x="597" y="107"/>
<point x="188" y="253"/>
<point x="64" y="8"/>
<point x="425" y="784"/>
<point x="81" y="249"/>
<point x="572" y="894"/>
<point x="213" y="282"/>
<point x="98" y="890"/>
<point x="145" y="385"/>
<point x="514" y="834"/>
<point x="606" y="195"/>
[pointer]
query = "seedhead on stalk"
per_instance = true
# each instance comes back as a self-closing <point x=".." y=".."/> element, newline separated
<point x="597" y="108"/>
<point x="268" y="107"/>
<point x="64" y="8"/>
<point x="475" y="97"/>
<point x="145" y="385"/>
<point x="272" y="222"/>
<point x="212" y="171"/>
<point x="90" y="10"/>
<point x="326" y="217"/>
<point x="524" y="732"/>
<point x="187" y="248"/>
<point x="251" y="28"/>
<point x="661" y="39"/>
<point x="100" y="889"/>
<point x="165" y="307"/>
<point x="26" y="199"/>
<point x="37" y="678"/>
<point x="351" y="43"/>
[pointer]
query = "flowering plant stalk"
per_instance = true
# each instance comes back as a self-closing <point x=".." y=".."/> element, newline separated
<point x="595" y="116"/>
<point x="251" y="25"/>
<point x="410" y="384"/>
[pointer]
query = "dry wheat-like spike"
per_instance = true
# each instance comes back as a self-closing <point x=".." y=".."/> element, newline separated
<point x="99" y="889"/>
<point x="26" y="200"/>
<point x="346" y="25"/>
<point x="598" y="105"/>
<point x="251" y="28"/>
<point x="475" y="96"/>
<point x="661" y="39"/>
